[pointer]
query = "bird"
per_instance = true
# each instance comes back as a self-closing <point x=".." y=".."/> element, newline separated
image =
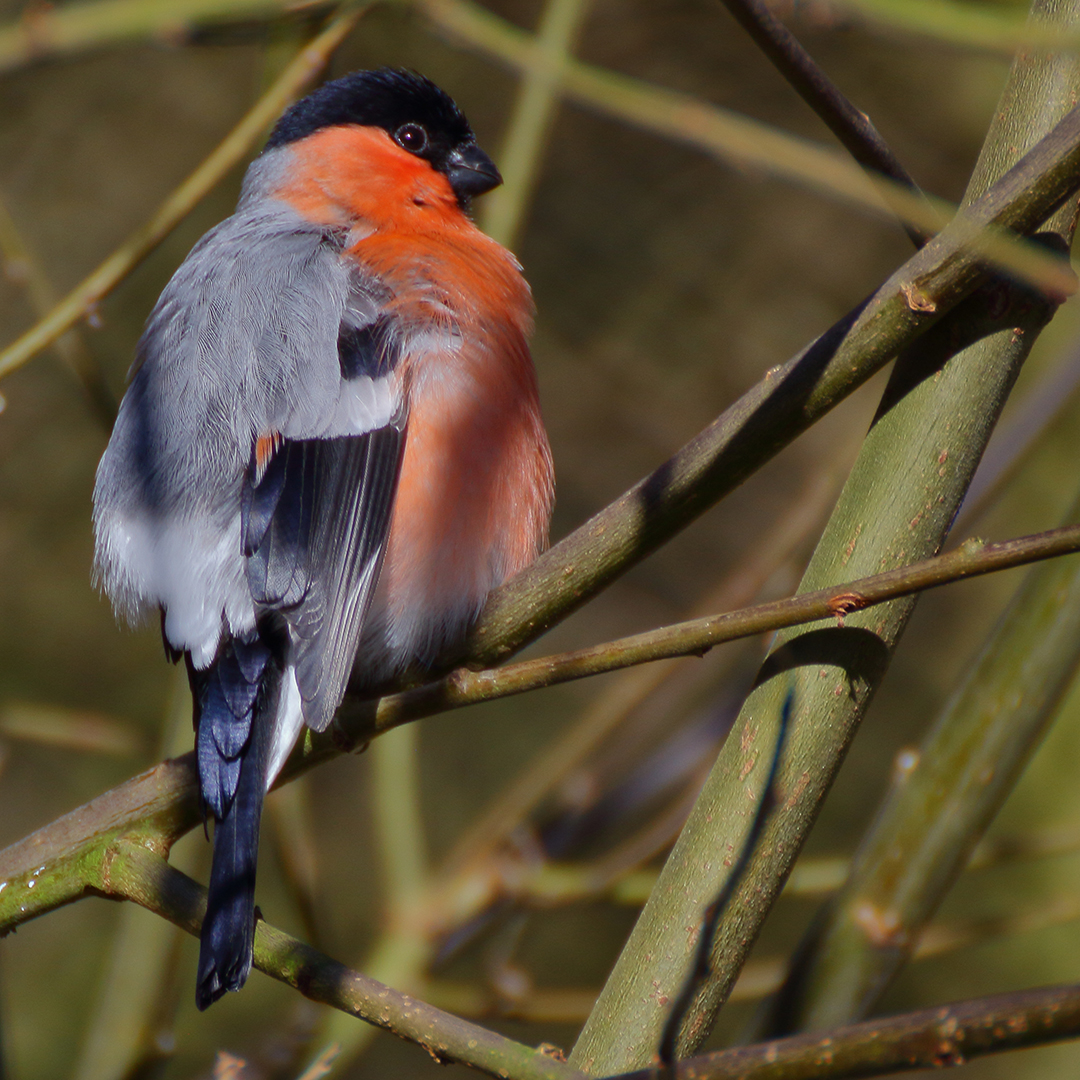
<point x="330" y="449"/>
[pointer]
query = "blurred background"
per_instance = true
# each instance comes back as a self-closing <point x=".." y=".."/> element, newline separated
<point x="667" y="282"/>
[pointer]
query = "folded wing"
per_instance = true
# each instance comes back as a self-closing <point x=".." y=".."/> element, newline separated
<point x="316" y="515"/>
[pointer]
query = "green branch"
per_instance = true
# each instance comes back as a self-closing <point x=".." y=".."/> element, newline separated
<point x="924" y="834"/>
<point x="921" y="841"/>
<point x="132" y="872"/>
<point x="58" y="864"/>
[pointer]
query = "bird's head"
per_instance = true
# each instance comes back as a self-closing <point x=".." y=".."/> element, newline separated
<point x="420" y="117"/>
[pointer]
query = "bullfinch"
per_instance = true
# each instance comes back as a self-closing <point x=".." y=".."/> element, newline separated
<point x="330" y="449"/>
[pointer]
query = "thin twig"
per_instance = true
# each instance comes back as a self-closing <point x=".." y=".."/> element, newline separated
<point x="463" y="687"/>
<point x="928" y="1039"/>
<point x="83" y="299"/>
<point x="407" y="944"/>
<point x="851" y="126"/>
<point x="939" y="939"/>
<point x="162" y="804"/>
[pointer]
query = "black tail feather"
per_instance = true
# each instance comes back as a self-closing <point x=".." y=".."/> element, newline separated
<point x="236" y="727"/>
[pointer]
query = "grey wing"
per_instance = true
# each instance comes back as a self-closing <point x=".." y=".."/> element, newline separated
<point x="264" y="329"/>
<point x="315" y="523"/>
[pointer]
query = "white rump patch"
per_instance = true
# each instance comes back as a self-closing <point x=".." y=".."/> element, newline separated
<point x="192" y="569"/>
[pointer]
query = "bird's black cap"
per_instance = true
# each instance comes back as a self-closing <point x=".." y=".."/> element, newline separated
<point x="417" y="114"/>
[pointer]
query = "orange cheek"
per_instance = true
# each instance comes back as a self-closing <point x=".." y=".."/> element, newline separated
<point x="343" y="175"/>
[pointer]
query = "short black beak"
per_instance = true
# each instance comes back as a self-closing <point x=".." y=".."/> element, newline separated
<point x="471" y="172"/>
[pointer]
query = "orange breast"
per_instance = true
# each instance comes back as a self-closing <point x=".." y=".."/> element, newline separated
<point x="474" y="496"/>
<point x="476" y="487"/>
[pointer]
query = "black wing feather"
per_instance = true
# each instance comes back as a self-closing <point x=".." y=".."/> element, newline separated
<point x="330" y="630"/>
<point x="258" y="503"/>
<point x="316" y="530"/>
<point x="367" y="349"/>
<point x="277" y="533"/>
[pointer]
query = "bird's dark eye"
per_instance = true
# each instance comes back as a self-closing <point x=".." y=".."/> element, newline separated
<point x="411" y="137"/>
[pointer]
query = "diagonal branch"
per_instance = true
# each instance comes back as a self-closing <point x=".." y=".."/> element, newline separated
<point x="772" y="414"/>
<point x="82" y="300"/>
<point x="997" y="713"/>
<point x="898" y="503"/>
<point x="697" y="636"/>
<point x="132" y="872"/>
<point x="853" y="128"/>
<point x="935" y="1038"/>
